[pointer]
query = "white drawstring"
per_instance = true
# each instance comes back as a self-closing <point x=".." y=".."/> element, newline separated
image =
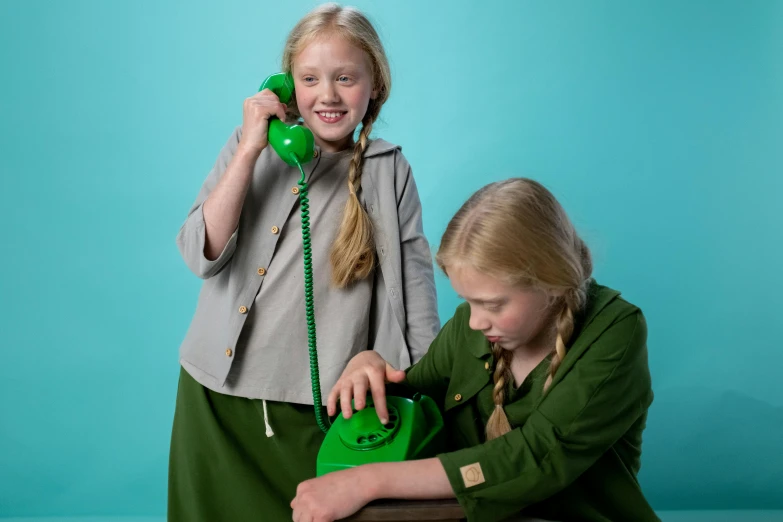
<point x="269" y="431"/>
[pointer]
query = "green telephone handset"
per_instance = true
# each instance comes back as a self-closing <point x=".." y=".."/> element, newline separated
<point x="415" y="426"/>
<point x="294" y="143"/>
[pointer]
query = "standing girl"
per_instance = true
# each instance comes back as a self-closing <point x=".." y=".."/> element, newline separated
<point x="245" y="432"/>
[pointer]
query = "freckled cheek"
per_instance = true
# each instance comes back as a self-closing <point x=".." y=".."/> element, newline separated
<point x="513" y="327"/>
<point x="506" y="325"/>
<point x="304" y="103"/>
<point x="358" y="100"/>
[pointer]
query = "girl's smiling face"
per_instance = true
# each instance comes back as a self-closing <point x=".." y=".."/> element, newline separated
<point x="333" y="87"/>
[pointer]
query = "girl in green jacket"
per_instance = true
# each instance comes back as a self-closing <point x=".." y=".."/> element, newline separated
<point x="542" y="376"/>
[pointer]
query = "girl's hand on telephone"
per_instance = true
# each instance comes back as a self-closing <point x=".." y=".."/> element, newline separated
<point x="256" y="112"/>
<point x="367" y="370"/>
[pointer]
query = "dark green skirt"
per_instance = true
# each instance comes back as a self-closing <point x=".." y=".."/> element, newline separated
<point x="223" y="467"/>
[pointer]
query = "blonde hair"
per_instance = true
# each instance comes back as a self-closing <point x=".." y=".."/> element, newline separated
<point x="353" y="252"/>
<point x="516" y="232"/>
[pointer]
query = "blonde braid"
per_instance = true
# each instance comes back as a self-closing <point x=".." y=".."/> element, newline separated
<point x="498" y="424"/>
<point x="573" y="301"/>
<point x="353" y="253"/>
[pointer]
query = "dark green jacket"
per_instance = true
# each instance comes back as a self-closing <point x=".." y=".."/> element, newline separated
<point x="572" y="454"/>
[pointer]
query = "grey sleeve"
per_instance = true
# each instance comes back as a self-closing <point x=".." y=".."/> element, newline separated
<point x="192" y="234"/>
<point x="418" y="278"/>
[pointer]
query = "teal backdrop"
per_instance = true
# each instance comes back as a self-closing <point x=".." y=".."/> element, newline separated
<point x="658" y="124"/>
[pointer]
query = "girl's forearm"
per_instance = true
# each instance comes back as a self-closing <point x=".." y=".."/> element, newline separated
<point x="414" y="479"/>
<point x="224" y="205"/>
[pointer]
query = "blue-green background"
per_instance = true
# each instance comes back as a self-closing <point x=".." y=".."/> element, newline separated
<point x="658" y="124"/>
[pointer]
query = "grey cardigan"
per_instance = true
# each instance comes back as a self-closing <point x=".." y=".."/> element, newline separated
<point x="405" y="318"/>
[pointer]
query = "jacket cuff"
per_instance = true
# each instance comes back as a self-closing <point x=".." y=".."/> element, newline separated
<point x="193" y="250"/>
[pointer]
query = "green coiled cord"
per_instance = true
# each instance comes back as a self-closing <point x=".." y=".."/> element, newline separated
<point x="315" y="379"/>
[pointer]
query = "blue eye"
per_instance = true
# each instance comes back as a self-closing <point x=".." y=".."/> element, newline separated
<point x="343" y="79"/>
<point x="309" y="79"/>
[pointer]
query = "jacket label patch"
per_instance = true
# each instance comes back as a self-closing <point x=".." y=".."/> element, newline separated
<point x="472" y="474"/>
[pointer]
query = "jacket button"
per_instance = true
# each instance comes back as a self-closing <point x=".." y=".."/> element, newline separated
<point x="229" y="352"/>
<point x="486" y="366"/>
<point x="294" y="190"/>
<point x="458" y="397"/>
<point x="275" y="230"/>
<point x="261" y="271"/>
<point x="243" y="309"/>
<point x="315" y="153"/>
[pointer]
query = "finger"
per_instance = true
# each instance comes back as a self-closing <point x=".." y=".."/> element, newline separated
<point x="378" y="387"/>
<point x="345" y="401"/>
<point x="280" y="112"/>
<point x="331" y="401"/>
<point x="394" y="375"/>
<point x="301" y="513"/>
<point x="267" y="93"/>
<point x="360" y="393"/>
